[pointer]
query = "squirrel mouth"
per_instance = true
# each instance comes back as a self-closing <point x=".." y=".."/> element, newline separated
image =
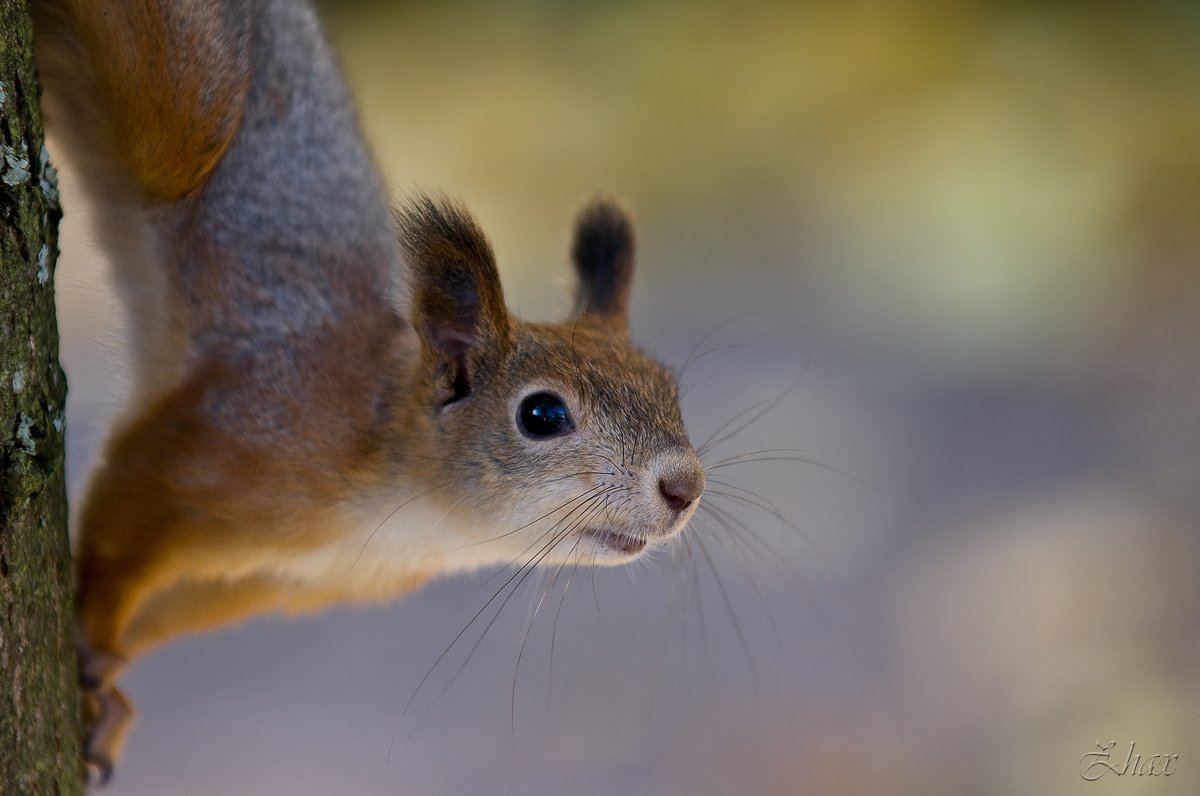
<point x="617" y="542"/>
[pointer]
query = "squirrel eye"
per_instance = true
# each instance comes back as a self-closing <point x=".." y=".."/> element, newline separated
<point x="544" y="414"/>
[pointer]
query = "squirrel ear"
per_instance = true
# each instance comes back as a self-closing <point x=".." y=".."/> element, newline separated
<point x="457" y="304"/>
<point x="603" y="256"/>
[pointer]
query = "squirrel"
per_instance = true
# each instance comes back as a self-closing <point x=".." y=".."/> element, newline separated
<point x="332" y="402"/>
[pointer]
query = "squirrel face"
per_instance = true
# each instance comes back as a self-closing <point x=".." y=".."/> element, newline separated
<point x="557" y="440"/>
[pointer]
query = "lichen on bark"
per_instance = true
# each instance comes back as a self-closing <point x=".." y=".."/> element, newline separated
<point x="39" y="699"/>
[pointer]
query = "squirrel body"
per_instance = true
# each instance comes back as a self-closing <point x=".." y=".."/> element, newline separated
<point x="332" y="404"/>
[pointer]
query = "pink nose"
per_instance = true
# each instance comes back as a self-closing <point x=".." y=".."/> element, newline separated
<point x="681" y="488"/>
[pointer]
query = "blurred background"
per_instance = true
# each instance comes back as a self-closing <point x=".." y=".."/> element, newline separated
<point x="947" y="253"/>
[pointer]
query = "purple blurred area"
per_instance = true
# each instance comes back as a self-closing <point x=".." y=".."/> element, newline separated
<point x="958" y="242"/>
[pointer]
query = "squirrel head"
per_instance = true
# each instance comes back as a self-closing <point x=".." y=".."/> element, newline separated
<point x="560" y="438"/>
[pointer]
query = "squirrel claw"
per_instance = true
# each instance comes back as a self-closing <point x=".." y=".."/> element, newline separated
<point x="89" y="683"/>
<point x="99" y="768"/>
<point x="108" y="715"/>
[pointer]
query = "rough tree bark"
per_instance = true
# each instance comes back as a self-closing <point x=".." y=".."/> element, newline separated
<point x="39" y="699"/>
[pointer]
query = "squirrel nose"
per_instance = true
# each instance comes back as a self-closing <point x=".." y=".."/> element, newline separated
<point x="682" y="487"/>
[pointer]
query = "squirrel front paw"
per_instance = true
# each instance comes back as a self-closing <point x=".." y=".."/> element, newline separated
<point x="107" y="715"/>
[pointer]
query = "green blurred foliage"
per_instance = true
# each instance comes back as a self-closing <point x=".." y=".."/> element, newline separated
<point x="1002" y="185"/>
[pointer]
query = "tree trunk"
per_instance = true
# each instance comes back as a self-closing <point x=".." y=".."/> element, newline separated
<point x="39" y="697"/>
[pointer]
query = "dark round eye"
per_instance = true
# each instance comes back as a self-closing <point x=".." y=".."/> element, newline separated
<point x="544" y="414"/>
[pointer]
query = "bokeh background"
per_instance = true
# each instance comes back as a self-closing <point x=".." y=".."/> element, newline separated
<point x="948" y="251"/>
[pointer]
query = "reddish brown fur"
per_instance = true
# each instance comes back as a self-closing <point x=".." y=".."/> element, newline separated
<point x="268" y="424"/>
<point x="166" y="96"/>
<point x="144" y="527"/>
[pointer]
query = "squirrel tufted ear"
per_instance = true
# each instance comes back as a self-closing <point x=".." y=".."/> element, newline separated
<point x="457" y="304"/>
<point x="603" y="256"/>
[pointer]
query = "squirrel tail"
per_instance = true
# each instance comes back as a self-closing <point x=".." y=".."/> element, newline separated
<point x="150" y="104"/>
